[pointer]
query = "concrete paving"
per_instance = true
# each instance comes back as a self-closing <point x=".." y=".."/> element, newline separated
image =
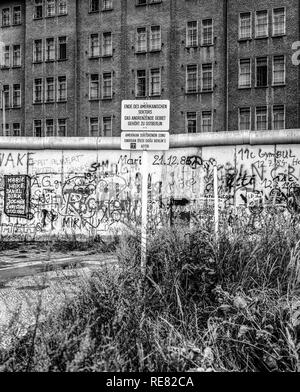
<point x="41" y="278"/>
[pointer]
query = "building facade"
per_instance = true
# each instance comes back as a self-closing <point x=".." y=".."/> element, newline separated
<point x="66" y="65"/>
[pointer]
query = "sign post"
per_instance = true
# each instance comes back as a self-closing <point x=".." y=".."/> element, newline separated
<point x="216" y="199"/>
<point x="145" y="124"/>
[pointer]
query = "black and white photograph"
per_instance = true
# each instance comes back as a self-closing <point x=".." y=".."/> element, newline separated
<point x="150" y="189"/>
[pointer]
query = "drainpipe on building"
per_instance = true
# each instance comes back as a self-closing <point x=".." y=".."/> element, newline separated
<point x="226" y="64"/>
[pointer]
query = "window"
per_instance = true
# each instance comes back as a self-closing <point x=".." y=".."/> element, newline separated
<point x="107" y="126"/>
<point x="155" y="82"/>
<point x="6" y="56"/>
<point x="94" y="126"/>
<point x="16" y="96"/>
<point x="16" y="55"/>
<point x="278" y="70"/>
<point x="107" y="85"/>
<point x="141" y="43"/>
<point x="191" y="122"/>
<point x="261" y="118"/>
<point x="207" y="32"/>
<point x="62" y="127"/>
<point x="244" y="119"/>
<point x="206" y="121"/>
<point x="37" y="128"/>
<point x="207" y="77"/>
<point x="141" y="2"/>
<point x="245" y="73"/>
<point x="17" y="15"/>
<point x="5" y="17"/>
<point x="192" y="79"/>
<point x="7" y="130"/>
<point x="261" y="24"/>
<point x="38" y="9"/>
<point x="49" y="127"/>
<point x="192" y="34"/>
<point x="94" y="5"/>
<point x="37" y="90"/>
<point x="278" y="21"/>
<point x="261" y="72"/>
<point x="6" y="95"/>
<point x="61" y="88"/>
<point x="62" y="48"/>
<point x="245" y="30"/>
<point x="50" y="90"/>
<point x="62" y="7"/>
<point x="94" y="45"/>
<point x="278" y="118"/>
<point x="141" y="83"/>
<point x="107" y="5"/>
<point x="50" y="49"/>
<point x="155" y="38"/>
<point x="94" y="86"/>
<point x="37" y="51"/>
<point x="16" y="129"/>
<point x="107" y="44"/>
<point x="50" y="8"/>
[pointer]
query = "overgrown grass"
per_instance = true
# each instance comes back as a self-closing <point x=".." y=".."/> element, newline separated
<point x="226" y="304"/>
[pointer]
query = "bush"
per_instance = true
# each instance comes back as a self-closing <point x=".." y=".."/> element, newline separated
<point x="205" y="304"/>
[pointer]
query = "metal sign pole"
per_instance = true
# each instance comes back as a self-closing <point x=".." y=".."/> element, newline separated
<point x="144" y="212"/>
<point x="216" y="199"/>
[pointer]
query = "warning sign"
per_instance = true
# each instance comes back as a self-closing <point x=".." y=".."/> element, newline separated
<point x="145" y="141"/>
<point x="148" y="115"/>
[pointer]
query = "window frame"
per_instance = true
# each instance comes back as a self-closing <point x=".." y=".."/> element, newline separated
<point x="153" y="48"/>
<point x="211" y="42"/>
<point x="47" y="2"/>
<point x="34" y="51"/>
<point x="188" y="43"/>
<point x="187" y="122"/>
<point x="59" y="83"/>
<point x="239" y="119"/>
<point x="256" y="73"/>
<point x="92" y="48"/>
<point x="38" y="4"/>
<point x="47" y="90"/>
<point x="256" y="24"/>
<point x="53" y="125"/>
<point x="59" y="44"/>
<point x="97" y="88"/>
<point x="211" y="120"/>
<point x="187" y="89"/>
<point x="102" y="126"/>
<point x="91" y="2"/>
<point x="240" y="74"/>
<point x="151" y="94"/>
<point x="212" y="78"/>
<point x="284" y="71"/>
<point x="284" y="116"/>
<point x="137" y="83"/>
<point x="267" y="118"/>
<point x="8" y="24"/>
<point x="90" y="126"/>
<point x="58" y="126"/>
<point x="103" y="52"/>
<point x="19" y="96"/>
<point x="273" y="24"/>
<point x="34" y="100"/>
<point x="35" y="127"/>
<point x="104" y="96"/>
<point x="240" y="26"/>
<point x="137" y="41"/>
<point x="14" y="13"/>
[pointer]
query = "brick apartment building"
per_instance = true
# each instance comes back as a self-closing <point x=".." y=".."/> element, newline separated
<point x="224" y="64"/>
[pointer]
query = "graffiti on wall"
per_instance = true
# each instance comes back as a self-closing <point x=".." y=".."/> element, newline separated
<point x="90" y="193"/>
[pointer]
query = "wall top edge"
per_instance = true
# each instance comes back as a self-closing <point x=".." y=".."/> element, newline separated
<point x="284" y="136"/>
